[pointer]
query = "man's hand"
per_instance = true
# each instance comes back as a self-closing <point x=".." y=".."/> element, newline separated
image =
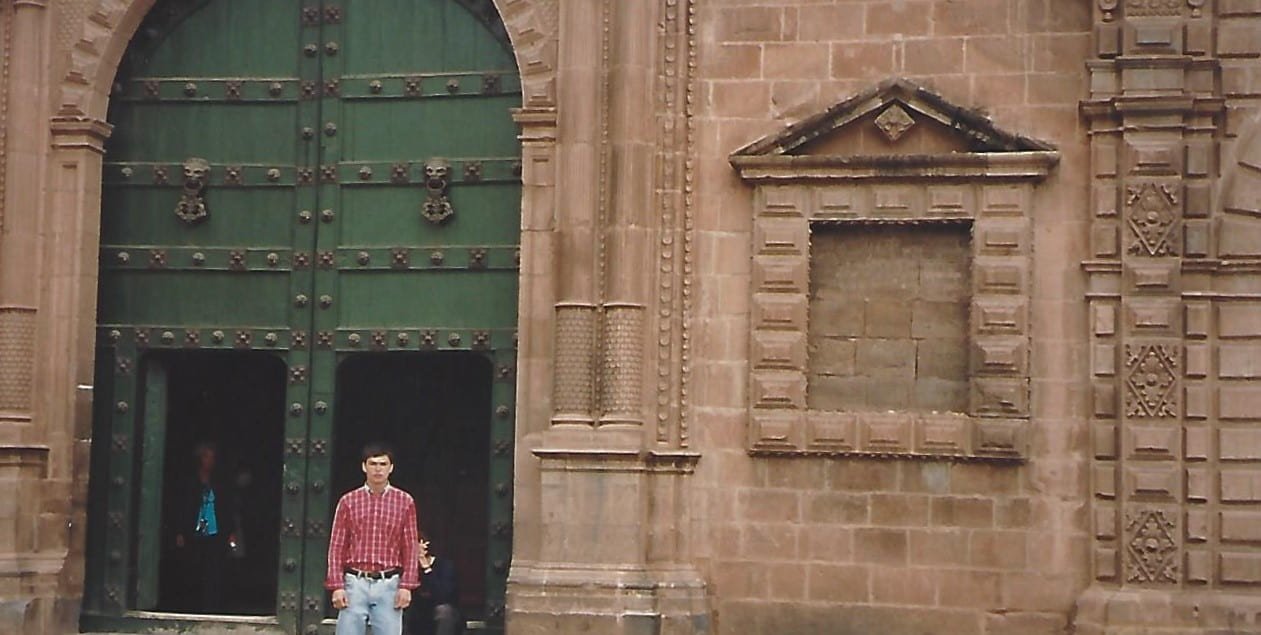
<point x="339" y="599"/>
<point x="402" y="599"/>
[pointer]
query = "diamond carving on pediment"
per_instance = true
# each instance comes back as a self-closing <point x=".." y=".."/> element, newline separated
<point x="894" y="122"/>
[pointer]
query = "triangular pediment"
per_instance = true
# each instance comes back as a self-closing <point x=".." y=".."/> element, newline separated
<point x="895" y="117"/>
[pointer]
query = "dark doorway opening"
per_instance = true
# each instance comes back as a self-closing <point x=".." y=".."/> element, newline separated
<point x="234" y="402"/>
<point x="434" y="409"/>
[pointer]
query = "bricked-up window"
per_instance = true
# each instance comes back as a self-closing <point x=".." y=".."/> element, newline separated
<point x="889" y="293"/>
<point x="888" y="320"/>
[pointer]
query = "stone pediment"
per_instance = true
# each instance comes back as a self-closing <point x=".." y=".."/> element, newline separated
<point x="895" y="129"/>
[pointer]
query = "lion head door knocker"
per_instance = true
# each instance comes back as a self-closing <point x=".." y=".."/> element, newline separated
<point x="437" y="207"/>
<point x="192" y="206"/>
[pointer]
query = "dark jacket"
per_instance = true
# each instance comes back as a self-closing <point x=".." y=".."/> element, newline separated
<point x="187" y="506"/>
<point x="440" y="583"/>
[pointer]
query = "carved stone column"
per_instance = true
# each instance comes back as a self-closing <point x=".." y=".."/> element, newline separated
<point x="18" y="239"/>
<point x="1154" y="113"/>
<point x="614" y="502"/>
<point x="581" y="136"/>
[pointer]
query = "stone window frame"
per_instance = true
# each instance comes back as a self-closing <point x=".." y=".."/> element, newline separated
<point x="991" y="190"/>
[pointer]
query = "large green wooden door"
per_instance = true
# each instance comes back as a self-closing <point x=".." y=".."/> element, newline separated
<point x="313" y="181"/>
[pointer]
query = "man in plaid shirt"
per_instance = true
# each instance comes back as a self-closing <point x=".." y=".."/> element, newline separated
<point x="372" y="558"/>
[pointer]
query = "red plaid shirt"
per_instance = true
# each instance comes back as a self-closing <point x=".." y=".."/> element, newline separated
<point x="374" y="532"/>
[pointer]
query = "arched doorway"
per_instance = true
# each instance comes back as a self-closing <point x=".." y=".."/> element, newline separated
<point x="310" y="224"/>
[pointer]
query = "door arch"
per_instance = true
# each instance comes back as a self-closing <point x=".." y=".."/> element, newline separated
<point x="307" y="183"/>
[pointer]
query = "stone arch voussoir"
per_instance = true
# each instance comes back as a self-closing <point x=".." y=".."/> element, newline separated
<point x="1239" y="217"/>
<point x="532" y="26"/>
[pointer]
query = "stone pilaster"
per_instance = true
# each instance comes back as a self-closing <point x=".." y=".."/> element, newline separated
<point x="614" y="504"/>
<point x="27" y="75"/>
<point x="1154" y="113"/>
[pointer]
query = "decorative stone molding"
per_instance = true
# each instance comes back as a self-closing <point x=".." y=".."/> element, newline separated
<point x="533" y="26"/>
<point x="984" y="178"/>
<point x="1173" y="290"/>
<point x="17" y="362"/>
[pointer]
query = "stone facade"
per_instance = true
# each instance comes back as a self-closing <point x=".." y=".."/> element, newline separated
<point x="1090" y="458"/>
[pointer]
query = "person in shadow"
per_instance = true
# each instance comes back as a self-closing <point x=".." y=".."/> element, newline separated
<point x="437" y="612"/>
<point x="204" y="524"/>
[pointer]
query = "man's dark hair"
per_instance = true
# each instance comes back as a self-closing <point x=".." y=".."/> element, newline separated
<point x="377" y="449"/>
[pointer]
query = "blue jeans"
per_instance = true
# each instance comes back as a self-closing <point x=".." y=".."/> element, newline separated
<point x="370" y="602"/>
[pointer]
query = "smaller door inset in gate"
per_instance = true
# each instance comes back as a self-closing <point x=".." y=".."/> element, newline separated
<point x="219" y="415"/>
<point x="434" y="410"/>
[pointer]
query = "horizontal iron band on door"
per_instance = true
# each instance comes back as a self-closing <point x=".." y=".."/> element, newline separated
<point x="463" y="171"/>
<point x="440" y="257"/>
<point x="171" y="175"/>
<point x="429" y="85"/>
<point x="150" y="257"/>
<point x="256" y="259"/>
<point x="282" y="338"/>
<point x="209" y="89"/>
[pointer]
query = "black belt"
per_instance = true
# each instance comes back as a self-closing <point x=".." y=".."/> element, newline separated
<point x="373" y="575"/>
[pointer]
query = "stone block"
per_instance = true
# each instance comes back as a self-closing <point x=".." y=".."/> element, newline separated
<point x="832" y="318"/>
<point x="999" y="276"/>
<point x="946" y="547"/>
<point x="1027" y="623"/>
<point x="958" y="511"/>
<point x="1239" y="361"/>
<point x="772" y="430"/>
<point x="780" y="274"/>
<point x="1239" y="401"/>
<point x="1239" y="320"/>
<point x="781" y="236"/>
<point x="881" y="546"/>
<point x="980" y="589"/>
<point x="943" y="434"/>
<point x="1000" y="356"/>
<point x="1239" y="39"/>
<point x="779" y="311"/>
<point x="838" y="583"/>
<point x="885" y="432"/>
<point x="827" y="543"/>
<point x="779" y="350"/>
<point x="933" y="56"/>
<point x="779" y="389"/>
<point x="862" y="475"/>
<point x="1000" y="397"/>
<point x="998" y="317"/>
<point x="904" y="18"/>
<point x="887" y="318"/>
<point x="831" y="431"/>
<point x="897" y="356"/>
<point x="998" y="549"/>
<point x="835" y="507"/>
<point x="1152" y="483"/>
<point x="1197" y="529"/>
<point x="902" y="586"/>
<point x="940" y="319"/>
<point x="1240" y="486"/>
<point x="769" y="541"/>
<point x="899" y="510"/>
<point x="1240" y="444"/>
<point x="1240" y="568"/>
<point x="1197" y="360"/>
<point x="749" y="24"/>
<point x="1240" y="527"/>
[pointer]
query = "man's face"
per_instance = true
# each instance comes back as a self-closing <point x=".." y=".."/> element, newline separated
<point x="378" y="469"/>
<point x="206" y="459"/>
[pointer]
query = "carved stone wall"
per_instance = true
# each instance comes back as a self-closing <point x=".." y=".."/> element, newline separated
<point x="1173" y="286"/>
<point x="1132" y="378"/>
